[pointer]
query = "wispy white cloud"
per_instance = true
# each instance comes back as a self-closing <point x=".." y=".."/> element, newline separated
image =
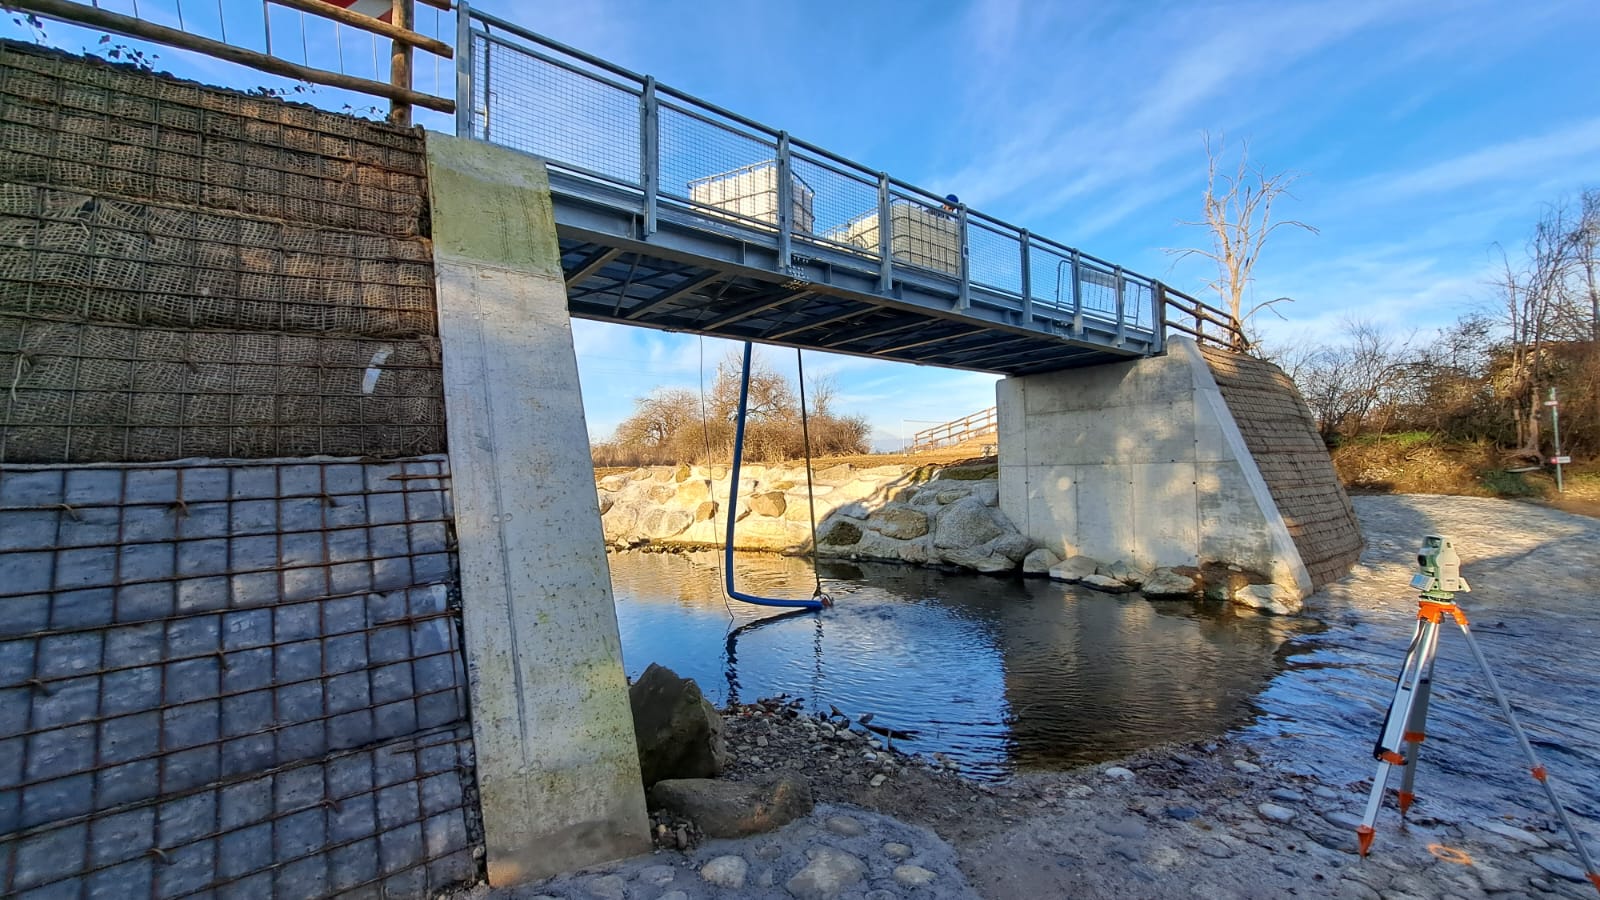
<point x="1514" y="160"/>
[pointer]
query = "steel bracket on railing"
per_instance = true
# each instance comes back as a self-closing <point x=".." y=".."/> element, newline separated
<point x="649" y="152"/>
<point x="885" y="238"/>
<point x="964" y="294"/>
<point x="1122" y="317"/>
<point x="1077" y="294"/>
<point x="464" y="51"/>
<point x="1027" y="281"/>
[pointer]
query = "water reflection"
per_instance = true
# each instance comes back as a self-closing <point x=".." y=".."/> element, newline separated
<point x="1002" y="675"/>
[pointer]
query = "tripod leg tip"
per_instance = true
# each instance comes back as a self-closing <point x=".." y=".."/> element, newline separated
<point x="1405" y="800"/>
<point x="1594" y="879"/>
<point x="1364" y="838"/>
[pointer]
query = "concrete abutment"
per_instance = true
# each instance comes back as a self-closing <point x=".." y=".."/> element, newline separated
<point x="1148" y="461"/>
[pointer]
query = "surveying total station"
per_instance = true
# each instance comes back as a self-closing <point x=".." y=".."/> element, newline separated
<point x="1399" y="743"/>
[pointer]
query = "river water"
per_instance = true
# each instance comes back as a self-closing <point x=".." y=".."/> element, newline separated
<point x="1002" y="674"/>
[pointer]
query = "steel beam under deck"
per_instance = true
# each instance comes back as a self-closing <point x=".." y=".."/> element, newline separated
<point x="722" y="279"/>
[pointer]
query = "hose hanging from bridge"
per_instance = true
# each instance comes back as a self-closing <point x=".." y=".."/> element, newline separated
<point x="818" y="600"/>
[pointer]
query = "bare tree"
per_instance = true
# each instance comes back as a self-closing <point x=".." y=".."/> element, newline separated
<point x="1238" y="215"/>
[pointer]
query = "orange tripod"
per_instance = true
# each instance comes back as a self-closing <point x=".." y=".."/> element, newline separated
<point x="1403" y="729"/>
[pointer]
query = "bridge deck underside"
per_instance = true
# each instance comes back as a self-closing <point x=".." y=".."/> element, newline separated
<point x="621" y="284"/>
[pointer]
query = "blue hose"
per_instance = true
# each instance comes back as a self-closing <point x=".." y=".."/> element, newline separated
<point x="819" y="602"/>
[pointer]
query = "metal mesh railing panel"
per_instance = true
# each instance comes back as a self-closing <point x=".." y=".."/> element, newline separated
<point x="241" y="676"/>
<point x="839" y="200"/>
<point x="568" y="117"/>
<point x="922" y="234"/>
<point x="994" y="257"/>
<point x="723" y="167"/>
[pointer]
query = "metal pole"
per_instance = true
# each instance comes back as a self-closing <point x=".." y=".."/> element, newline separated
<point x="785" y="206"/>
<point x="1122" y="318"/>
<point x="403" y="16"/>
<point x="885" y="237"/>
<point x="649" y="152"/>
<point x="1158" y="312"/>
<point x="964" y="296"/>
<point x="1077" y="294"/>
<point x="1027" y="280"/>
<point x="1555" y="431"/>
<point x="464" y="53"/>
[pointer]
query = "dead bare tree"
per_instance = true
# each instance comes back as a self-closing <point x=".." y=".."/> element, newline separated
<point x="1238" y="215"/>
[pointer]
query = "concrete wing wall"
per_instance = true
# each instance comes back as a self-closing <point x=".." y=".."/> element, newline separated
<point x="1139" y="461"/>
<point x="1282" y="436"/>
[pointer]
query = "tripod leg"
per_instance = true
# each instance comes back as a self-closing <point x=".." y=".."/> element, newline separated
<point x="1415" y="733"/>
<point x="1537" y="768"/>
<point x="1417" y="663"/>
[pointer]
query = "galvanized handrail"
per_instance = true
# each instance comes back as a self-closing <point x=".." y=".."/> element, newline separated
<point x="1131" y="302"/>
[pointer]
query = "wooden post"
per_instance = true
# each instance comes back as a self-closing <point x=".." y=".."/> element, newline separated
<point x="404" y="17"/>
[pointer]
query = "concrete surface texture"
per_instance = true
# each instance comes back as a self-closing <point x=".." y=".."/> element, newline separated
<point x="1139" y="461"/>
<point x="559" y="774"/>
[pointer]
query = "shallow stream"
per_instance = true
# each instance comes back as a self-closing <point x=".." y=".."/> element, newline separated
<point x="1001" y="674"/>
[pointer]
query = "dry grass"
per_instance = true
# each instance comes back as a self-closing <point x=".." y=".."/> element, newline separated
<point x="1418" y="463"/>
<point x="949" y="456"/>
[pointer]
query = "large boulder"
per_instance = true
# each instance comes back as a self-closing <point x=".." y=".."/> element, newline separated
<point x="678" y="731"/>
<point x="769" y="503"/>
<point x="965" y="524"/>
<point x="1074" y="568"/>
<point x="842" y="533"/>
<point x="1123" y="571"/>
<point x="829" y="873"/>
<point x="1039" y="562"/>
<point x="1269" y="598"/>
<point x="901" y="522"/>
<point x="1167" y="583"/>
<point x="1106" y="584"/>
<point x="729" y="809"/>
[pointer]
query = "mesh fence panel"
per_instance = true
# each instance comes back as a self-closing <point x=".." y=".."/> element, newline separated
<point x="994" y="257"/>
<point x="840" y="199"/>
<point x="244" y="678"/>
<point x="717" y="165"/>
<point x="570" y="118"/>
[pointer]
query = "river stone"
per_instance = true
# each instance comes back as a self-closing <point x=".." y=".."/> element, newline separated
<point x="769" y="503"/>
<point x="662" y="493"/>
<point x="1275" y="813"/>
<point x="1106" y="584"/>
<point x="705" y="510"/>
<point x="727" y="809"/>
<point x="965" y="524"/>
<point x="619" y="521"/>
<point x="692" y="492"/>
<point x="843" y="533"/>
<point x="613" y="483"/>
<point x="1040" y="562"/>
<point x="980" y="560"/>
<point x="913" y="876"/>
<point x="726" y="871"/>
<point x="657" y="876"/>
<point x="946" y="496"/>
<point x="1167" y="583"/>
<point x="605" y="504"/>
<point x="607" y="887"/>
<point x="1123" y="571"/>
<point x="1269" y="598"/>
<point x="678" y="731"/>
<point x="826" y="876"/>
<point x="1012" y="546"/>
<point x="1559" y="867"/>
<point x="845" y="826"/>
<point x="897" y="850"/>
<point x="664" y="523"/>
<point x="900" y="522"/>
<point x="1073" y="569"/>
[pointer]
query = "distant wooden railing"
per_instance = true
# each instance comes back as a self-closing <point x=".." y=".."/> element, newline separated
<point x="956" y="431"/>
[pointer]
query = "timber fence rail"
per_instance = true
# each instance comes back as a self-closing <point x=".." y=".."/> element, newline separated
<point x="956" y="431"/>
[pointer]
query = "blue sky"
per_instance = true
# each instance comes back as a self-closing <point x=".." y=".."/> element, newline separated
<point x="1423" y="133"/>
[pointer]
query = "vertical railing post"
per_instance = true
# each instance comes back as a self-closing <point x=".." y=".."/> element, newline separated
<point x="402" y="14"/>
<point x="964" y="293"/>
<point x="785" y="205"/>
<point x="488" y="85"/>
<point x="1027" y="280"/>
<point x="464" y="54"/>
<point x="885" y="237"/>
<point x="1122" y="318"/>
<point x="649" y="152"/>
<point x="1158" y="312"/>
<point x="1077" y="294"/>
